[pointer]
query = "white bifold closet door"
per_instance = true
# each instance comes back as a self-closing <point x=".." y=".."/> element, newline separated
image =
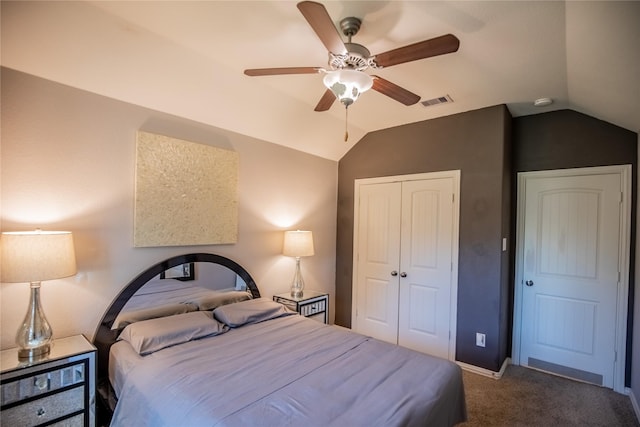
<point x="403" y="269"/>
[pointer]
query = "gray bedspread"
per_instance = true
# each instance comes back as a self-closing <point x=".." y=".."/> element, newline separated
<point x="290" y="371"/>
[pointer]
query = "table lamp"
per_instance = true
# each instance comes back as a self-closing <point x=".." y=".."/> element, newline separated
<point x="33" y="257"/>
<point x="297" y="244"/>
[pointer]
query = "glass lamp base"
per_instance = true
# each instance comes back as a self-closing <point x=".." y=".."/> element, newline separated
<point x="34" y="353"/>
<point x="34" y="335"/>
<point x="297" y="284"/>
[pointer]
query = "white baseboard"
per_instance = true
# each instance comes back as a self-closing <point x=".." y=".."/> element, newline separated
<point x="634" y="402"/>
<point x="486" y="372"/>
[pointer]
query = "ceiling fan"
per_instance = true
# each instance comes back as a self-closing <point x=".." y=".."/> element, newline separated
<point x="346" y="79"/>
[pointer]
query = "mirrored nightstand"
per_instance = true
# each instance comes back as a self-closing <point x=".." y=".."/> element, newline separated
<point x="312" y="304"/>
<point x="58" y="389"/>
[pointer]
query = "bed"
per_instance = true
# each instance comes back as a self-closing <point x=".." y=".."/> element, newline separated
<point x="254" y="362"/>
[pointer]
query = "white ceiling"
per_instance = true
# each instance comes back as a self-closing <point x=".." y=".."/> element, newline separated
<point x="187" y="59"/>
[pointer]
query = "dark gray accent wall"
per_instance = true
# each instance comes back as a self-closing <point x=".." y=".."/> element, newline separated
<point x="568" y="139"/>
<point x="478" y="144"/>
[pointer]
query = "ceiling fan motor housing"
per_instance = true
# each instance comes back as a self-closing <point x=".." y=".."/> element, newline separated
<point x="357" y="58"/>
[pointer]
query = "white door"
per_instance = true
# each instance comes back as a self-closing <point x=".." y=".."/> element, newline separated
<point x="570" y="275"/>
<point x="425" y="265"/>
<point x="405" y="262"/>
<point x="378" y="250"/>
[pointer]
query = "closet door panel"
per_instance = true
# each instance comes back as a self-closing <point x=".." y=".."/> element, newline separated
<point x="425" y="265"/>
<point x="378" y="249"/>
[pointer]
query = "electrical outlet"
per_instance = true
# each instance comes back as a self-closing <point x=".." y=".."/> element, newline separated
<point x="480" y="339"/>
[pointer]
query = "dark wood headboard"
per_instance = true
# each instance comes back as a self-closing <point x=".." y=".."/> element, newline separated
<point x="105" y="336"/>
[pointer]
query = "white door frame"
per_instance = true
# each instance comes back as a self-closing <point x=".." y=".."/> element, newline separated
<point x="455" y="175"/>
<point x="623" y="285"/>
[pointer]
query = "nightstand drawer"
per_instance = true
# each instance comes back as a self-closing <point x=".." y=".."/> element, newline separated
<point x="41" y="383"/>
<point x="46" y="409"/>
<point x="313" y="308"/>
<point x="77" y="421"/>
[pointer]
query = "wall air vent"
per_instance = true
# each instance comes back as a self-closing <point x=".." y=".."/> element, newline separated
<point x="435" y="101"/>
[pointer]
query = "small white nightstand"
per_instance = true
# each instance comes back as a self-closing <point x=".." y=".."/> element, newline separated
<point x="58" y="389"/>
<point x="312" y="304"/>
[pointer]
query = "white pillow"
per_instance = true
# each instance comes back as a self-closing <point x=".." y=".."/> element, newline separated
<point x="152" y="335"/>
<point x="251" y="311"/>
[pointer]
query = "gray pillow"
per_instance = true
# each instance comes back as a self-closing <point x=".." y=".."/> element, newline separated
<point x="251" y="311"/>
<point x="132" y="316"/>
<point x="217" y="299"/>
<point x="148" y="336"/>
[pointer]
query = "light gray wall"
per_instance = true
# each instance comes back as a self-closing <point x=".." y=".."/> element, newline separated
<point x="68" y="162"/>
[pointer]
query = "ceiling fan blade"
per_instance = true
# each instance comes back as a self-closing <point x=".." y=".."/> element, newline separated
<point x="394" y="91"/>
<point x="326" y="101"/>
<point x="424" y="49"/>
<point x="285" y="70"/>
<point x="319" y="19"/>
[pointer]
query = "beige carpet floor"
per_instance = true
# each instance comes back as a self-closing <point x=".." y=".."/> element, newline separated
<point x="525" y="397"/>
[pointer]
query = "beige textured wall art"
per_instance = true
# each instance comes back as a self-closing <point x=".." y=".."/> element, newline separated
<point x="186" y="193"/>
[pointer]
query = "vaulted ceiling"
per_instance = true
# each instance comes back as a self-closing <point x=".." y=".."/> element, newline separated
<point x="187" y="59"/>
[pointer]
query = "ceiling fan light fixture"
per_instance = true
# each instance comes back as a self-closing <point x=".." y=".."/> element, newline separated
<point x="347" y="85"/>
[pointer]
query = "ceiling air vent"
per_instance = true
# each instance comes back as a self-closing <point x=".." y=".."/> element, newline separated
<point x="435" y="101"/>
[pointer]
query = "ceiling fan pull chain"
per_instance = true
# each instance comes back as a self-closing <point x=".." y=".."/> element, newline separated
<point x="346" y="119"/>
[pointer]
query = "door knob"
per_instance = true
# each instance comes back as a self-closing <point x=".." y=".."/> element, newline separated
<point x="403" y="274"/>
<point x="394" y="273"/>
<point x="529" y="283"/>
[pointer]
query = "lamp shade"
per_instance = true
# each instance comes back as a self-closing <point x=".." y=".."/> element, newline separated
<point x="298" y="243"/>
<point x="34" y="256"/>
<point x="347" y="85"/>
